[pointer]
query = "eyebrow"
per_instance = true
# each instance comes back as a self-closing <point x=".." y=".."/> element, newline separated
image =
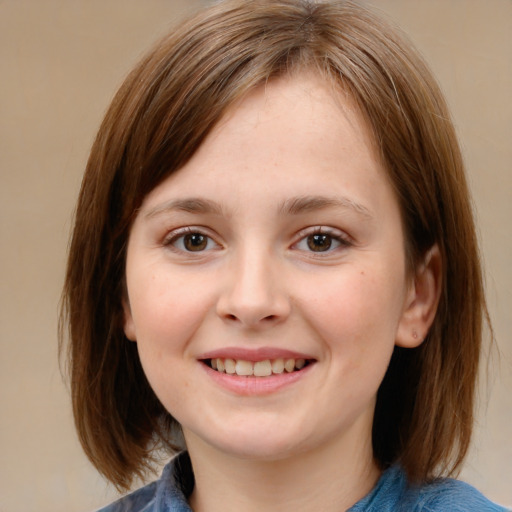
<point x="304" y="204"/>
<point x="190" y="205"/>
<point x="292" y="206"/>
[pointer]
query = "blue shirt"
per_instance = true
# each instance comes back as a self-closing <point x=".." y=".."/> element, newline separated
<point x="391" y="494"/>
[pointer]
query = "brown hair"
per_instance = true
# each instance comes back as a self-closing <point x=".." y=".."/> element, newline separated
<point x="161" y="114"/>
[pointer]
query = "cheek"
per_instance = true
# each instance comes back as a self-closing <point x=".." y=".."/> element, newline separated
<point x="167" y="309"/>
<point x="357" y="311"/>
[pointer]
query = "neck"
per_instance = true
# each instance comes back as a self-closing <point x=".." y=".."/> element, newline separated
<point x="332" y="478"/>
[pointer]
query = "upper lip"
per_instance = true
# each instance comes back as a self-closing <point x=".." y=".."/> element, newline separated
<point x="254" y="354"/>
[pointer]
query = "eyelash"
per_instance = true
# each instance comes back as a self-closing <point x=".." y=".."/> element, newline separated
<point x="341" y="240"/>
<point x="303" y="237"/>
<point x="174" y="237"/>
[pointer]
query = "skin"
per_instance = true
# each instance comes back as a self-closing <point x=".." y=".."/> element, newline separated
<point x="292" y="160"/>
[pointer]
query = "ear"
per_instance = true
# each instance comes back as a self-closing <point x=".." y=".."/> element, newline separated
<point x="128" y="323"/>
<point x="422" y="300"/>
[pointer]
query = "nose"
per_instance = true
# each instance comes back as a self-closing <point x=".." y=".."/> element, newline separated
<point x="255" y="295"/>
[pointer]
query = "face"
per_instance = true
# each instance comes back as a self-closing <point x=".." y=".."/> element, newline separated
<point x="266" y="278"/>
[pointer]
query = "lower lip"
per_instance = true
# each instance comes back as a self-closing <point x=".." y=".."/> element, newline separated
<point x="250" y="386"/>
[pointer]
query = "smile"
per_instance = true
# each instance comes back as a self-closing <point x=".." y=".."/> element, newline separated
<point x="263" y="368"/>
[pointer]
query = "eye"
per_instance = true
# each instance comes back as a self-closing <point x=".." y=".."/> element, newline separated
<point x="319" y="242"/>
<point x="322" y="240"/>
<point x="190" y="241"/>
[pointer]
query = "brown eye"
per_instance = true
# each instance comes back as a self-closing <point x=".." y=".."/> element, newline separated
<point x="188" y="240"/>
<point x="319" y="242"/>
<point x="195" y="242"/>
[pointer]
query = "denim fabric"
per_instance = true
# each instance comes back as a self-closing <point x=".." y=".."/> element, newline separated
<point x="391" y="494"/>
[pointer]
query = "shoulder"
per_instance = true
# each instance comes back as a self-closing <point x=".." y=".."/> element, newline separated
<point x="394" y="493"/>
<point x="167" y="494"/>
<point x="453" y="495"/>
<point x="141" y="500"/>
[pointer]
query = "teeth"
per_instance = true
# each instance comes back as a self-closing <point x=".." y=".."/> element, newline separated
<point x="278" y="366"/>
<point x="230" y="366"/>
<point x="263" y="368"/>
<point x="244" y="368"/>
<point x="289" y="365"/>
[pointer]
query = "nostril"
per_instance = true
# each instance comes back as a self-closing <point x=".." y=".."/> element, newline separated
<point x="265" y="319"/>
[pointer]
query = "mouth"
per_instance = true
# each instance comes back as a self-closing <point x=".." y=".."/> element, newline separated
<point x="264" y="368"/>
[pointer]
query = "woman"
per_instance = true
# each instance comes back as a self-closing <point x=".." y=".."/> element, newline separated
<point x="274" y="266"/>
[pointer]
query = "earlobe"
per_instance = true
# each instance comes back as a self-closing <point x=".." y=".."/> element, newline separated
<point x="422" y="300"/>
<point x="128" y="324"/>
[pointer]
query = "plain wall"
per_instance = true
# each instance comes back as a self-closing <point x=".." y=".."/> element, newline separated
<point x="60" y="63"/>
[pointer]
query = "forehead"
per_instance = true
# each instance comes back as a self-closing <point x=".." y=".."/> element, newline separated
<point x="295" y="98"/>
<point x="296" y="135"/>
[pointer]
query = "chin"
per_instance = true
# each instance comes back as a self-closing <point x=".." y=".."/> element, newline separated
<point x="261" y="452"/>
<point x="255" y="444"/>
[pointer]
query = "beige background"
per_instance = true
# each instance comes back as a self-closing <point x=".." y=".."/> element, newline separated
<point x="60" y="62"/>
